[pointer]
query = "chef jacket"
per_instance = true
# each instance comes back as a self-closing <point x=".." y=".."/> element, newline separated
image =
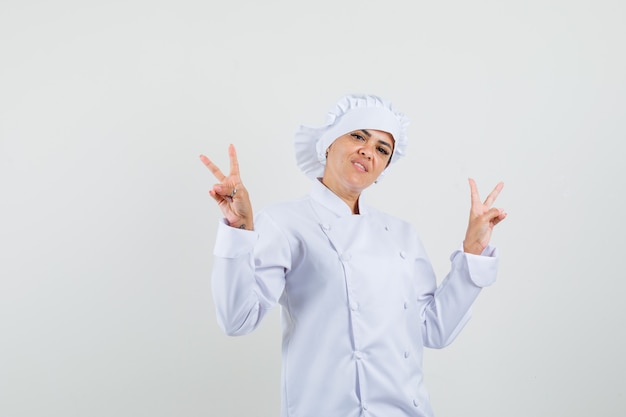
<point x="359" y="301"/>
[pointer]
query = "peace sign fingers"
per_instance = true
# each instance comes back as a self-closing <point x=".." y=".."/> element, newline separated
<point x="229" y="193"/>
<point x="482" y="219"/>
<point x="491" y="198"/>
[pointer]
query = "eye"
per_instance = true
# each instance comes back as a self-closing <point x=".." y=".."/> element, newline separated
<point x="383" y="150"/>
<point x="357" y="136"/>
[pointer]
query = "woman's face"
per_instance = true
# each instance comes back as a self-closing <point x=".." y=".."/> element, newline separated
<point x="356" y="159"/>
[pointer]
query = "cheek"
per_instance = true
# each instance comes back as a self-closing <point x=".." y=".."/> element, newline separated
<point x="384" y="160"/>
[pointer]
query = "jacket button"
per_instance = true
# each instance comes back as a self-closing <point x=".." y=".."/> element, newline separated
<point x="354" y="306"/>
<point x="325" y="226"/>
<point x="346" y="256"/>
<point x="415" y="403"/>
<point x="402" y="254"/>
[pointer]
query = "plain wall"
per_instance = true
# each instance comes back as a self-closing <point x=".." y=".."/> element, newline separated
<point x="107" y="230"/>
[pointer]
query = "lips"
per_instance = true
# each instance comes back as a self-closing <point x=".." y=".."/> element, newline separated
<point x="360" y="166"/>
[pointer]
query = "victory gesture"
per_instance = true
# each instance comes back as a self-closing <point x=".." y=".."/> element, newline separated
<point x="230" y="194"/>
<point x="482" y="219"/>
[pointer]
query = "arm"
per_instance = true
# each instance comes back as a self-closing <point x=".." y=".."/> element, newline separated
<point x="248" y="275"/>
<point x="447" y="309"/>
<point x="249" y="264"/>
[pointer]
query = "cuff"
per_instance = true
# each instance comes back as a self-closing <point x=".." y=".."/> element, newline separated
<point x="482" y="268"/>
<point x="232" y="242"/>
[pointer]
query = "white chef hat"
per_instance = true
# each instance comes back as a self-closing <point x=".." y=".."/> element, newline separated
<point x="352" y="112"/>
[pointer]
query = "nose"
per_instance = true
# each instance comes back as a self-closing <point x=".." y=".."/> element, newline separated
<point x="366" y="153"/>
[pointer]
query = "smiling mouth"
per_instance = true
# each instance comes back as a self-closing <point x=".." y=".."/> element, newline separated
<point x="359" y="166"/>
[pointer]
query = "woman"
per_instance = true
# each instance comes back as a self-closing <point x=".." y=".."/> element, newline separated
<point x="358" y="294"/>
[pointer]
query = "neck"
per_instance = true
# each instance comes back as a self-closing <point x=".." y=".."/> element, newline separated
<point x="349" y="197"/>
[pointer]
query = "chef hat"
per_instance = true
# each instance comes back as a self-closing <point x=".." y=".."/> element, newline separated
<point x="352" y="112"/>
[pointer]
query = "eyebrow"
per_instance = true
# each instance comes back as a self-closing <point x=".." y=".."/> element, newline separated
<point x="382" y="142"/>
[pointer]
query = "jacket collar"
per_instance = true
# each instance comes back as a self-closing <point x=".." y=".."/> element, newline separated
<point x="322" y="195"/>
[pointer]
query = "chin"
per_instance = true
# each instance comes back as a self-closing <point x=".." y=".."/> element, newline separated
<point x="361" y="183"/>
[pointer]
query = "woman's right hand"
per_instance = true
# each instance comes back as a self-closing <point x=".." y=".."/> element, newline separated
<point x="230" y="194"/>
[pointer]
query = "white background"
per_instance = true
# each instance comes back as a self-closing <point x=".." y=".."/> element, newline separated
<point x="107" y="229"/>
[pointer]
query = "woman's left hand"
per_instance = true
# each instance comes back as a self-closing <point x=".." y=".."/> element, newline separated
<point x="482" y="219"/>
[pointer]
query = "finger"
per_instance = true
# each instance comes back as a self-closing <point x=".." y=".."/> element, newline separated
<point x="501" y="217"/>
<point x="474" y="192"/>
<point x="234" y="163"/>
<point x="493" y="214"/>
<point x="226" y="191"/>
<point x="218" y="198"/>
<point x="213" y="168"/>
<point x="494" y="194"/>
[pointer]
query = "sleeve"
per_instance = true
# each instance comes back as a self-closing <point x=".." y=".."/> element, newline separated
<point x="248" y="274"/>
<point x="448" y="308"/>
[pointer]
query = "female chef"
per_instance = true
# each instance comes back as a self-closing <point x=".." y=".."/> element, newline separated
<point x="358" y="296"/>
